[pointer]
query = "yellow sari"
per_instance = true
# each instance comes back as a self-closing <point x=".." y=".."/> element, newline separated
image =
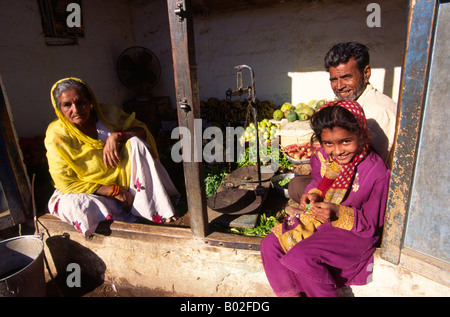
<point x="76" y="160"/>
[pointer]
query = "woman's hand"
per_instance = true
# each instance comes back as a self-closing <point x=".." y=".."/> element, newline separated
<point x="111" y="156"/>
<point x="125" y="197"/>
<point x="324" y="211"/>
<point x="309" y="199"/>
<point x="122" y="195"/>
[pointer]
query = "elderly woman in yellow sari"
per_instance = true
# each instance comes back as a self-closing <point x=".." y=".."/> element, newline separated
<point x="103" y="162"/>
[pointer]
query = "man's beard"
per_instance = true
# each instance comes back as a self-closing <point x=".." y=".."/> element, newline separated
<point x="358" y="93"/>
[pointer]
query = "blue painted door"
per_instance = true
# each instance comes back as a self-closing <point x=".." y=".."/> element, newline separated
<point x="428" y="221"/>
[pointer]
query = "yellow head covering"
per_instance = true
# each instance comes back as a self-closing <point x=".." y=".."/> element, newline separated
<point x="76" y="160"/>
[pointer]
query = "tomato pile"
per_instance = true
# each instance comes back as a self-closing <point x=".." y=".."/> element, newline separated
<point x="300" y="151"/>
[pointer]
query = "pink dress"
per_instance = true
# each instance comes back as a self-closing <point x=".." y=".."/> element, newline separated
<point x="333" y="257"/>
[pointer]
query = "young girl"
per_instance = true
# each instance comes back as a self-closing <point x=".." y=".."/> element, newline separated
<point x="332" y="243"/>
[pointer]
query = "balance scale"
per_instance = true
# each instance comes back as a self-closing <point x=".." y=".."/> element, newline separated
<point x="239" y="198"/>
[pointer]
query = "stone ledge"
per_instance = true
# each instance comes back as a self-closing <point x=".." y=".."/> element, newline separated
<point x="157" y="257"/>
<point x="172" y="260"/>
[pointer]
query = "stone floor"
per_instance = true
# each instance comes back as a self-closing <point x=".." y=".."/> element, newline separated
<point x="55" y="288"/>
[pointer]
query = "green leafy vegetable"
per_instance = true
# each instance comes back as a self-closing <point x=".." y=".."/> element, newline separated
<point x="266" y="157"/>
<point x="261" y="230"/>
<point x="214" y="176"/>
<point x="284" y="183"/>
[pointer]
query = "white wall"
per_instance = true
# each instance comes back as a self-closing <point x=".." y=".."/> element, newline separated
<point x="284" y="44"/>
<point x="290" y="39"/>
<point x="29" y="68"/>
<point x="151" y="29"/>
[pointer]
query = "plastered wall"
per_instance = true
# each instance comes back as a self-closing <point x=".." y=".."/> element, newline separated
<point x="284" y="44"/>
<point x="29" y="67"/>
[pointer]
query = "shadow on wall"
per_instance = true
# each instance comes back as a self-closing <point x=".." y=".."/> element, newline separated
<point x="78" y="269"/>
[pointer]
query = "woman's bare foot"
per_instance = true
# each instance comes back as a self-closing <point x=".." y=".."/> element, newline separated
<point x="171" y="219"/>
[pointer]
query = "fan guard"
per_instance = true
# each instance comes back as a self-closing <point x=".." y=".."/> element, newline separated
<point x="139" y="69"/>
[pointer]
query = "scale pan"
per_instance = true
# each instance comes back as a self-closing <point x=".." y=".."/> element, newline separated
<point x="234" y="201"/>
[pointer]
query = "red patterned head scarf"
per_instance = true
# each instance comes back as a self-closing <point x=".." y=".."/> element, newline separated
<point x="338" y="178"/>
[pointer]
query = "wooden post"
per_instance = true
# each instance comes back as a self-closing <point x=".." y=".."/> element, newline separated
<point x="188" y="106"/>
<point x="13" y="179"/>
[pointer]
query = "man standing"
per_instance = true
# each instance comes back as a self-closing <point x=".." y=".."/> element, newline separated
<point x="349" y="69"/>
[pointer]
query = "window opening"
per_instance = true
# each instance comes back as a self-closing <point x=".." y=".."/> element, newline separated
<point x="61" y="21"/>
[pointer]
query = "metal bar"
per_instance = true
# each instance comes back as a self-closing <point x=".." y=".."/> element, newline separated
<point x="240" y="92"/>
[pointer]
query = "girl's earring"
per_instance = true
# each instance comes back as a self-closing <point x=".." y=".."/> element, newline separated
<point x="92" y="106"/>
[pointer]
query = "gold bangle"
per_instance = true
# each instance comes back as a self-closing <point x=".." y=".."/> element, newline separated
<point x="114" y="191"/>
<point x="111" y="191"/>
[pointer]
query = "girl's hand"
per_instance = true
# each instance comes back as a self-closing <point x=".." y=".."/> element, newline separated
<point x="309" y="199"/>
<point x="324" y="211"/>
<point x="111" y="156"/>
